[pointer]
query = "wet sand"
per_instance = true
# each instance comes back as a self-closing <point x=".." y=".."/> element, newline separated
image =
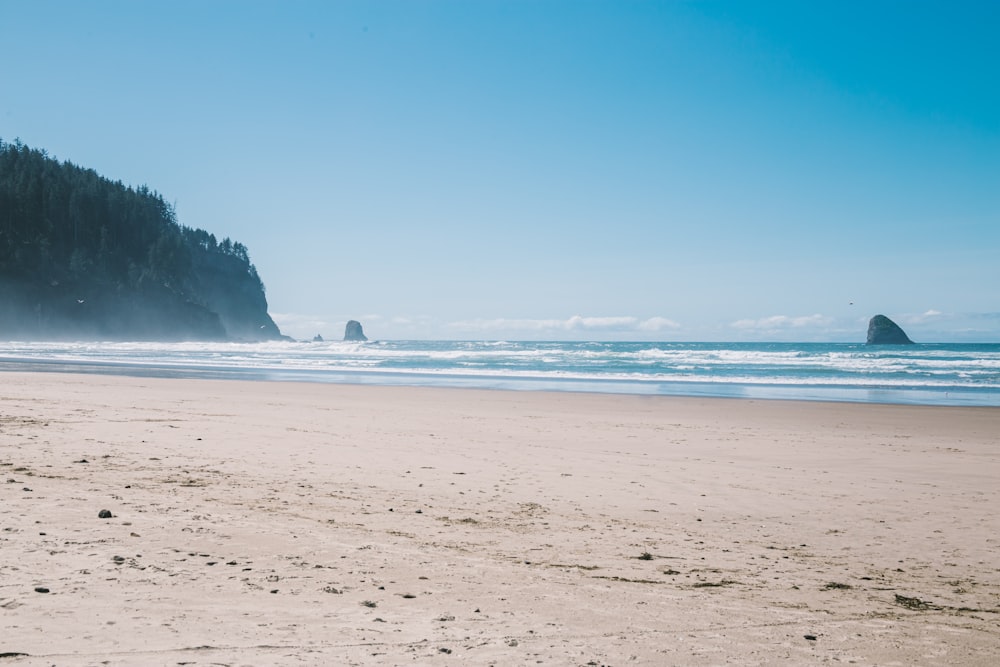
<point x="259" y="523"/>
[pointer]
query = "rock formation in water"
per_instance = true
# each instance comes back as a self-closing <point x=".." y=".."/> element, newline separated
<point x="883" y="331"/>
<point x="353" y="331"/>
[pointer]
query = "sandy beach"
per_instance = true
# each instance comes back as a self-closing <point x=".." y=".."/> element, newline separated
<point x="266" y="523"/>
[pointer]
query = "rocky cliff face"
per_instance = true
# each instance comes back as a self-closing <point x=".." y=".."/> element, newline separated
<point x="85" y="257"/>
<point x="228" y="285"/>
<point x="883" y="331"/>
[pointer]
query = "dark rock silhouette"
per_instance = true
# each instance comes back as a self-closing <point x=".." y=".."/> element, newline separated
<point x="353" y="331"/>
<point x="317" y="338"/>
<point x="883" y="331"/>
<point x="86" y="258"/>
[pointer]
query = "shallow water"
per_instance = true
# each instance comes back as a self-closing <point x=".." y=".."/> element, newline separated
<point x="925" y="374"/>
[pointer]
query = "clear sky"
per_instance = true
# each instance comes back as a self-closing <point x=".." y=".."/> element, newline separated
<point x="550" y="170"/>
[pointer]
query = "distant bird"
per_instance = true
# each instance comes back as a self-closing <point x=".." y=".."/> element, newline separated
<point x="79" y="300"/>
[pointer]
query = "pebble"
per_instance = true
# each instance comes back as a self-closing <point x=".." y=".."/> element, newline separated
<point x="41" y="589"/>
<point x="104" y="514"/>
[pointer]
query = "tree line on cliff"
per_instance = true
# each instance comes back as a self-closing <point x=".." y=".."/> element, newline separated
<point x="84" y="256"/>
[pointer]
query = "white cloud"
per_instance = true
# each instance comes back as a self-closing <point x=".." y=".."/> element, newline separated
<point x="300" y="326"/>
<point x="577" y="322"/>
<point x="658" y="324"/>
<point x="927" y="316"/>
<point x="304" y="327"/>
<point x="620" y="324"/>
<point x="782" y="322"/>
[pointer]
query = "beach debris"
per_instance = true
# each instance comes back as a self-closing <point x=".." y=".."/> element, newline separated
<point x="645" y="556"/>
<point x="639" y="581"/>
<point x="369" y="603"/>
<point x="714" y="584"/>
<point x="836" y="585"/>
<point x="911" y="603"/>
<point x="105" y="514"/>
<point x="41" y="589"/>
<point x="811" y="638"/>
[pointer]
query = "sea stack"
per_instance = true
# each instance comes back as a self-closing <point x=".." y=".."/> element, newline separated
<point x="354" y="331"/>
<point x="883" y="331"/>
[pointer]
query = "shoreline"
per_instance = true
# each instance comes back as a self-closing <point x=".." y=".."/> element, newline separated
<point x="832" y="393"/>
<point x="265" y="523"/>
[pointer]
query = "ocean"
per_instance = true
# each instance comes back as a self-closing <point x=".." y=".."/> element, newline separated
<point x="922" y="374"/>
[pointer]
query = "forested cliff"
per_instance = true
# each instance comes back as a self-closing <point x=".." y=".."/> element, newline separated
<point x="82" y="256"/>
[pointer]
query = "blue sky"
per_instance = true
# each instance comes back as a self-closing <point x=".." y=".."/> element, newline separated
<point x="555" y="170"/>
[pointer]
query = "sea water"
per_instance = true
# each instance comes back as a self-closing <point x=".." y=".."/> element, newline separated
<point x="924" y="374"/>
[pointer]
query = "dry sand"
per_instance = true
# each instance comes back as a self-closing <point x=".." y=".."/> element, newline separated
<point x="259" y="523"/>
